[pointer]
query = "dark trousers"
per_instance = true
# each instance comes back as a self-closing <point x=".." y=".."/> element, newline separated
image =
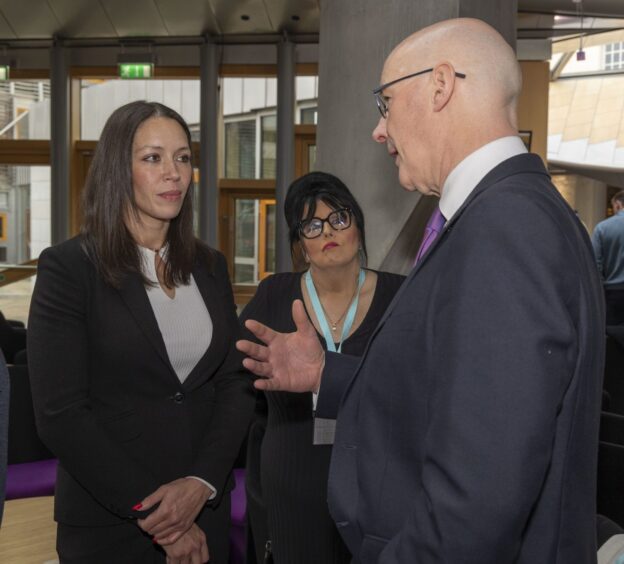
<point x="614" y="304"/>
<point x="126" y="543"/>
<point x="257" y="527"/>
<point x="123" y="544"/>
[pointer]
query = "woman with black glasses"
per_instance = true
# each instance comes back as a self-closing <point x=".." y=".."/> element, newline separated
<point x="344" y="301"/>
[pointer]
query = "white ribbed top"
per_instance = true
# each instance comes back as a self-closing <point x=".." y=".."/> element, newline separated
<point x="184" y="320"/>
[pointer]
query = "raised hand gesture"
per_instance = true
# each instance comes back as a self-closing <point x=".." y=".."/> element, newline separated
<point x="290" y="362"/>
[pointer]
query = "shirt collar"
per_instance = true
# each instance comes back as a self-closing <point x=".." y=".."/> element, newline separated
<point x="464" y="178"/>
<point x="150" y="252"/>
<point x="149" y="265"/>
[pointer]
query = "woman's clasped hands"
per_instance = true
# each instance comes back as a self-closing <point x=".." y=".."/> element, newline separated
<point x="172" y="523"/>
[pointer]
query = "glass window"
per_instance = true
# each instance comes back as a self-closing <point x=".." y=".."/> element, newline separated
<point x="306" y="93"/>
<point x="99" y="98"/>
<point x="269" y="146"/>
<point x="249" y="151"/>
<point x="242" y="138"/>
<point x="254" y="239"/>
<point x="614" y="56"/>
<point x="25" y="217"/>
<point x="311" y="157"/>
<point x="269" y="243"/>
<point x="240" y="149"/>
<point x="306" y="88"/>
<point x="25" y="109"/>
<point x="245" y="242"/>
<point x="248" y="95"/>
<point x="309" y="115"/>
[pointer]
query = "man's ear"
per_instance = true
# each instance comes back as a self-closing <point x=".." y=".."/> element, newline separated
<point x="443" y="77"/>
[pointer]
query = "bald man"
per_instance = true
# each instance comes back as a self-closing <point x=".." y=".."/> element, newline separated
<point x="468" y="431"/>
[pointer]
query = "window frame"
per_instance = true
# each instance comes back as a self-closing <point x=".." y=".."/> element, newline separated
<point x="240" y="119"/>
<point x="39" y="151"/>
<point x="24" y="152"/>
<point x="610" y="50"/>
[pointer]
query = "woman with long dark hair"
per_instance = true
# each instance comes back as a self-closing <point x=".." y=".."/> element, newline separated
<point x="137" y="387"/>
<point x="287" y="474"/>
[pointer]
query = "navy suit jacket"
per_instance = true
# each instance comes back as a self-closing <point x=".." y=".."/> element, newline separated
<point x="109" y="404"/>
<point x="468" y="431"/>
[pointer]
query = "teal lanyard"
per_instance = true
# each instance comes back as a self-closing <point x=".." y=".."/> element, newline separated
<point x="320" y="314"/>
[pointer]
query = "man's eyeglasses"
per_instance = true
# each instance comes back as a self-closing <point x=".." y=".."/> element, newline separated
<point x="381" y="100"/>
<point x="338" y="220"/>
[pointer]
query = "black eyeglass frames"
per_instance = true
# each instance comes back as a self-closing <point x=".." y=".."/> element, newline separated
<point x="338" y="220"/>
<point x="380" y="99"/>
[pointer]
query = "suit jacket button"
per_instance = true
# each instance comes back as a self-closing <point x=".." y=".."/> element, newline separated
<point x="178" y="397"/>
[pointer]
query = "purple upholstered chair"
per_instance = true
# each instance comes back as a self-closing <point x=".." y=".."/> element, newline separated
<point x="31" y="479"/>
<point x="31" y="467"/>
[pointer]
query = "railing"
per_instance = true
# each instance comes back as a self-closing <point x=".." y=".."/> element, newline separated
<point x="10" y="273"/>
<point x="14" y="122"/>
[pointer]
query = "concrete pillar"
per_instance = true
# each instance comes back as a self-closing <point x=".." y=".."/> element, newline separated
<point x="285" y="166"/>
<point x="591" y="201"/>
<point x="208" y="124"/>
<point x="60" y="145"/>
<point x="349" y="69"/>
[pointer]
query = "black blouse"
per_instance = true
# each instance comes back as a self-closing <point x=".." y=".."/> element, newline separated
<point x="292" y="484"/>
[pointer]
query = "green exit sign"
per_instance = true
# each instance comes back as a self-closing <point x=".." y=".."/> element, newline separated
<point x="4" y="72"/>
<point x="136" y="70"/>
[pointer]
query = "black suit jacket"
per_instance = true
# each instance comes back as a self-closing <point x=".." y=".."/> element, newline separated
<point x="469" y="431"/>
<point x="107" y="400"/>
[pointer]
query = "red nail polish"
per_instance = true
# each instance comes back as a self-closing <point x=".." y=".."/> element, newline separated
<point x="154" y="541"/>
<point x="137" y="507"/>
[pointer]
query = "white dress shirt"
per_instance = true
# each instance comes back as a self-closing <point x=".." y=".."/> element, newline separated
<point x="463" y="179"/>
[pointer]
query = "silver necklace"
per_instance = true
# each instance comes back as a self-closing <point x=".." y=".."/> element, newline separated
<point x="334" y="324"/>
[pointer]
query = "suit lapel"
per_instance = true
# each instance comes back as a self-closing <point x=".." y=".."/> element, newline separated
<point x="134" y="295"/>
<point x="520" y="163"/>
<point x="524" y="163"/>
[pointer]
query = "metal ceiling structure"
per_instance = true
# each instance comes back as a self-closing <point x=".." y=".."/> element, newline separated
<point x="28" y="28"/>
<point x="122" y="19"/>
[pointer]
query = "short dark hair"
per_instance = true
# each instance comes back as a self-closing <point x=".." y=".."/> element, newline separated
<point x="618" y="197"/>
<point x="109" y="195"/>
<point x="312" y="187"/>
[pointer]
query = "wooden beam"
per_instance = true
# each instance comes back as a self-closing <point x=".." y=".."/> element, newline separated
<point x="25" y="151"/>
<point x="14" y="274"/>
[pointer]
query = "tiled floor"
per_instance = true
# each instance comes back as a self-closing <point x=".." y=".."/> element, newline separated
<point x="28" y="533"/>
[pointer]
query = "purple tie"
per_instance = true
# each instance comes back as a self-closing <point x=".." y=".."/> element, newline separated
<point x="434" y="226"/>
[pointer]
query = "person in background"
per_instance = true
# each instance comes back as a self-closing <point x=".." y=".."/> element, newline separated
<point x="137" y="387"/>
<point x="344" y="301"/>
<point x="468" y="430"/>
<point x="608" y="243"/>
